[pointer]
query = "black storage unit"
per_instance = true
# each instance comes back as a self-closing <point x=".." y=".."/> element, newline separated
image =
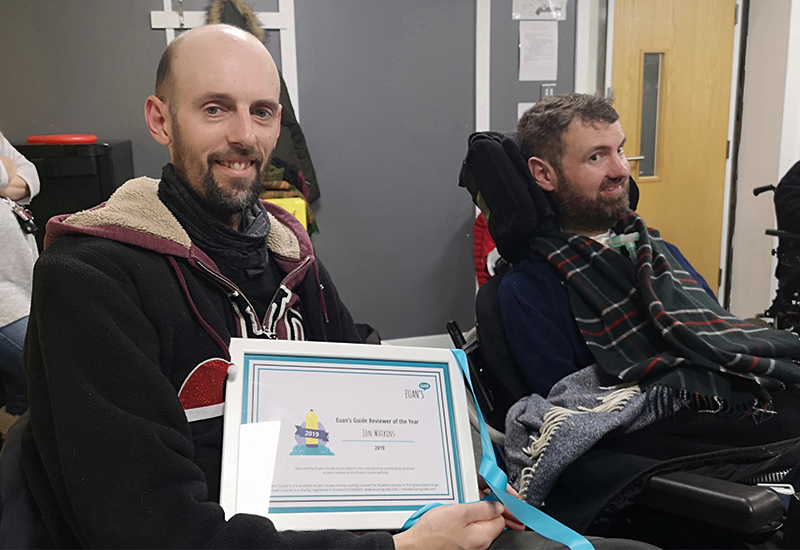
<point x="76" y="177"/>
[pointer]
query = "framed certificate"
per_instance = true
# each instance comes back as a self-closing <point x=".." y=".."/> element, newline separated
<point x="361" y="436"/>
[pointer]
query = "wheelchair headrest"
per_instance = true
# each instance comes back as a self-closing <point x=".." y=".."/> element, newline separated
<point x="515" y="207"/>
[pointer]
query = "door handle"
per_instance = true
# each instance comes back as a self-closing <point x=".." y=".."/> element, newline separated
<point x="636" y="158"/>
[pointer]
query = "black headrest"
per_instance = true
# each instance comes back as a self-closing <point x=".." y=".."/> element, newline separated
<point x="497" y="176"/>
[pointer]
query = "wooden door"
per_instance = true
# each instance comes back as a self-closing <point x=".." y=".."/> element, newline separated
<point x="686" y="47"/>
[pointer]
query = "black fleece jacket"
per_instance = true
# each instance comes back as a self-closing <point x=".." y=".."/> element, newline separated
<point x="124" y="309"/>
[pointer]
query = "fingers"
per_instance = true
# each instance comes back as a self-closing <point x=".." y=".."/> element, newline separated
<point x="511" y="491"/>
<point x="459" y="526"/>
<point x="511" y="522"/>
<point x="485" y="510"/>
<point x="479" y="535"/>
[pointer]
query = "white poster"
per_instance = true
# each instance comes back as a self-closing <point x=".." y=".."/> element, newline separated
<point x="538" y="50"/>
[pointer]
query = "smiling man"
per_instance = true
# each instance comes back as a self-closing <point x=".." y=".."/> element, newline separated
<point x="574" y="146"/>
<point x="220" y="126"/>
<point x="137" y="299"/>
<point x="605" y="289"/>
<point x="575" y="143"/>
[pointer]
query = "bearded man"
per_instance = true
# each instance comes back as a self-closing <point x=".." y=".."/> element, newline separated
<point x="606" y="289"/>
<point x="134" y="298"/>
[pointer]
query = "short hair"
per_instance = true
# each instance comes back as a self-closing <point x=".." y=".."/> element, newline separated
<point x="165" y="77"/>
<point x="540" y="128"/>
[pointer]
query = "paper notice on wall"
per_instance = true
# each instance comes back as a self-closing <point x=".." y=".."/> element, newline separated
<point x="553" y="10"/>
<point x="538" y="50"/>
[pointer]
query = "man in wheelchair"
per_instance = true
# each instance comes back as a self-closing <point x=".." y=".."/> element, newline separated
<point x="613" y="331"/>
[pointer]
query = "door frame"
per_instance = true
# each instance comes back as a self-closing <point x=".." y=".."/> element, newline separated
<point x="728" y="220"/>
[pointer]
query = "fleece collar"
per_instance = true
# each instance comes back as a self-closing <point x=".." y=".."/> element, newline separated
<point x="135" y="215"/>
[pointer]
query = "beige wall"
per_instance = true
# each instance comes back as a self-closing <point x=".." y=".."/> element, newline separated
<point x="759" y="154"/>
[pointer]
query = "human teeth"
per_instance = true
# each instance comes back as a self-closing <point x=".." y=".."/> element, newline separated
<point x="235" y="165"/>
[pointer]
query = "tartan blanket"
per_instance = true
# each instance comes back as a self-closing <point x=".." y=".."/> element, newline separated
<point x="647" y="321"/>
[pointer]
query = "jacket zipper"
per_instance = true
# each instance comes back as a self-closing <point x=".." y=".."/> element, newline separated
<point x="274" y="298"/>
<point x="258" y="327"/>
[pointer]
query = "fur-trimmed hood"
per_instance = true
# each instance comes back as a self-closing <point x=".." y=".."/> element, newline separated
<point x="135" y="215"/>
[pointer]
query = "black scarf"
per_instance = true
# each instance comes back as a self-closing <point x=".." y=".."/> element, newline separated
<point x="244" y="251"/>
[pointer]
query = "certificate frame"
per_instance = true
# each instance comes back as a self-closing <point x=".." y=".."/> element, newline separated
<point x="401" y="467"/>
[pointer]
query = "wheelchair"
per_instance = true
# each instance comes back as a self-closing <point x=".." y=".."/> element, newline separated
<point x="784" y="312"/>
<point x="691" y="482"/>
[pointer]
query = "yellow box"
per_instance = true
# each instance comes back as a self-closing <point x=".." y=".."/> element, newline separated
<point x="295" y="206"/>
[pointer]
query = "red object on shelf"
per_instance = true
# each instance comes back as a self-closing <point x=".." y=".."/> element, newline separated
<point x="61" y="139"/>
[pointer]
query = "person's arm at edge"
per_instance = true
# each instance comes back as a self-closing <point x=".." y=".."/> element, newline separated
<point x="25" y="184"/>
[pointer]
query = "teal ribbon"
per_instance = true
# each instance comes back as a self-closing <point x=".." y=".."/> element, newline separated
<point x="497" y="480"/>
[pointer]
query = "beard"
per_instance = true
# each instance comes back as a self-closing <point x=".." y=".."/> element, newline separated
<point x="222" y="201"/>
<point x="590" y="215"/>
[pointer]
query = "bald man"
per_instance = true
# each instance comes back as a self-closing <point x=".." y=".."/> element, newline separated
<point x="134" y="298"/>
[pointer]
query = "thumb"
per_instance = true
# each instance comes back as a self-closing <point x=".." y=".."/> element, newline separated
<point x="484" y="510"/>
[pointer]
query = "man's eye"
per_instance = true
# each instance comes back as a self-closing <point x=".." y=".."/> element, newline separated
<point x="262" y="113"/>
<point x="212" y="110"/>
<point x="594" y="157"/>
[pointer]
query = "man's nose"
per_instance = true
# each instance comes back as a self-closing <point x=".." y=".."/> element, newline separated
<point x="240" y="131"/>
<point x="620" y="168"/>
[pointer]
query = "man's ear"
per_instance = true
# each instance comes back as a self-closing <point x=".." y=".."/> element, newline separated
<point x="543" y="173"/>
<point x="157" y="116"/>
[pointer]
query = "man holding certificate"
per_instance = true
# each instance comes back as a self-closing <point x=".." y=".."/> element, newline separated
<point x="134" y="306"/>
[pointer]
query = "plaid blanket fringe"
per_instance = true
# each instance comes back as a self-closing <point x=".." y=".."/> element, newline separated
<point x="648" y="321"/>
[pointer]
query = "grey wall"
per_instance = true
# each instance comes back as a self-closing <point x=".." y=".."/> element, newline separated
<point x="506" y="89"/>
<point x="386" y="103"/>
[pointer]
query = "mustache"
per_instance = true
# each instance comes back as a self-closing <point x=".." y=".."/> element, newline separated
<point x="610" y="183"/>
<point x="236" y="152"/>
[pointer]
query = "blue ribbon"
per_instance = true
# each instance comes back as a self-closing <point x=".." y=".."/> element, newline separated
<point x="497" y="481"/>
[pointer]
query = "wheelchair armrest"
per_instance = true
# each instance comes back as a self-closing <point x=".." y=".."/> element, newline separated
<point x="739" y="508"/>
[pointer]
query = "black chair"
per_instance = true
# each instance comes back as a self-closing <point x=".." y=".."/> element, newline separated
<point x="784" y="311"/>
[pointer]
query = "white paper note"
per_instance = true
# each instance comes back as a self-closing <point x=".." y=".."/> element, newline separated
<point x="538" y="50"/>
<point x="258" y="446"/>
<point x="553" y="10"/>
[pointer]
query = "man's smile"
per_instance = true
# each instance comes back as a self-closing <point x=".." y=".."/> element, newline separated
<point x="238" y="167"/>
<point x="611" y="189"/>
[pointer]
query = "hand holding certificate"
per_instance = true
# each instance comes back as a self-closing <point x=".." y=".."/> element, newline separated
<point x="368" y="434"/>
<point x="473" y="525"/>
